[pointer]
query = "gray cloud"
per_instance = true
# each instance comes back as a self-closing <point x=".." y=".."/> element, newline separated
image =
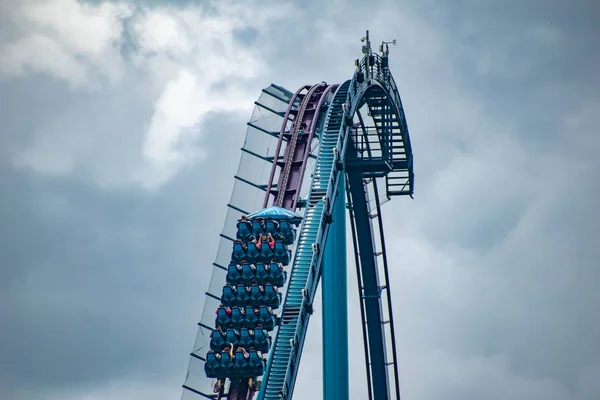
<point x="493" y="262"/>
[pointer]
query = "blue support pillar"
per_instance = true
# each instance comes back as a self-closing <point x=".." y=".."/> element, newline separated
<point x="335" y="305"/>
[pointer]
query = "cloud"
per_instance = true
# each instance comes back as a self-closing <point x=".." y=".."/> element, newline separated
<point x="493" y="265"/>
<point x="68" y="39"/>
<point x="182" y="62"/>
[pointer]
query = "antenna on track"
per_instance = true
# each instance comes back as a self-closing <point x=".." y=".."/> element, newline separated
<point x="385" y="46"/>
<point x="366" y="49"/>
<point x="368" y="53"/>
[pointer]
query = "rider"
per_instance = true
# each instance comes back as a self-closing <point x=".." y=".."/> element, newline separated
<point x="219" y="384"/>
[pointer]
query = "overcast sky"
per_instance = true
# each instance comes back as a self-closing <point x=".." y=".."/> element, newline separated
<point x="120" y="132"/>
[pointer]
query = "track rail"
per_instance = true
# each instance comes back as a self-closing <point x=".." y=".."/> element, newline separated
<point x="282" y="369"/>
<point x="299" y="137"/>
<point x="297" y="127"/>
<point x="291" y="110"/>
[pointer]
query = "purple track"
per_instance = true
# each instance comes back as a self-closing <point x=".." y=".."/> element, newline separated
<point x="292" y="164"/>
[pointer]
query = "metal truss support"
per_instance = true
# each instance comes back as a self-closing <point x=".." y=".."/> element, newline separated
<point x="371" y="291"/>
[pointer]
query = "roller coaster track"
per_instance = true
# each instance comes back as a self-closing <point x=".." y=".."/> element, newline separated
<point x="326" y="112"/>
<point x="279" y="379"/>
<point x="296" y="130"/>
<point x="298" y="138"/>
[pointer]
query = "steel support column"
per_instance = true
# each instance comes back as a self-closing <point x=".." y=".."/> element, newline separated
<point x="335" y="303"/>
<point x="371" y="291"/>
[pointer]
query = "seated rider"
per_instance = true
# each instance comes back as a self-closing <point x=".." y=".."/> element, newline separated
<point x="244" y="220"/>
<point x="247" y="357"/>
<point x="244" y="228"/>
<point x="228" y="349"/>
<point x="219" y="383"/>
<point x="271" y="240"/>
<point x="241" y="243"/>
<point x="227" y="309"/>
<point x="263" y="239"/>
<point x="259" y="241"/>
<point x="275" y="224"/>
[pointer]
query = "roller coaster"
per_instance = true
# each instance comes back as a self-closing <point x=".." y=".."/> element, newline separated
<point x="310" y="159"/>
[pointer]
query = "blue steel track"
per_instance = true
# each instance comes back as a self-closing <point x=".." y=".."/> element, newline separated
<point x="348" y="156"/>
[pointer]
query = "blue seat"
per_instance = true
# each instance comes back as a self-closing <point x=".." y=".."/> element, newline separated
<point x="248" y="274"/>
<point x="252" y="253"/>
<point x="276" y="275"/>
<point x="256" y="296"/>
<point x="286" y="232"/>
<point x="261" y="341"/>
<point x="212" y="365"/>
<point x="281" y="253"/>
<point x="242" y="296"/>
<point x="228" y="296"/>
<point x="238" y="319"/>
<point x="266" y="318"/>
<point x="223" y="320"/>
<point x="246" y="341"/>
<point x="232" y="336"/>
<point x="272" y="296"/>
<point x="241" y="367"/>
<point x="233" y="274"/>
<point x="262" y="275"/>
<point x="226" y="365"/>
<point x="266" y="253"/>
<point x="256" y="363"/>
<point x="239" y="253"/>
<point x="263" y="299"/>
<point x="251" y="317"/>
<point x="244" y="230"/>
<point x="217" y="340"/>
<point x="257" y="228"/>
<point x="272" y="227"/>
